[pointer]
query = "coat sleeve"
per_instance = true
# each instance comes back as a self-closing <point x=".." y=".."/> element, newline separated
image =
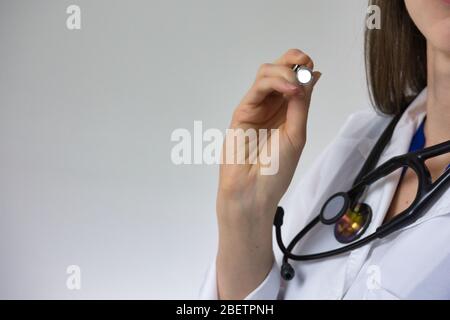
<point x="267" y="290"/>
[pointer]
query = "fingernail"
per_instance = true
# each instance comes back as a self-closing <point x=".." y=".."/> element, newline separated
<point x="291" y="86"/>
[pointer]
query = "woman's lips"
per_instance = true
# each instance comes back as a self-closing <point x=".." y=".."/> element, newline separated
<point x="447" y="2"/>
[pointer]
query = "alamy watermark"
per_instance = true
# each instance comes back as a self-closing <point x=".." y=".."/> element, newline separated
<point x="249" y="146"/>
<point x="73" y="21"/>
<point x="373" y="277"/>
<point x="73" y="281"/>
<point x="373" y="20"/>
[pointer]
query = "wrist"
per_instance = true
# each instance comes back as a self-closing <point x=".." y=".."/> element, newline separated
<point x="240" y="214"/>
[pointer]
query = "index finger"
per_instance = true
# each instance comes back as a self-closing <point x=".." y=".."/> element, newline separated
<point x="295" y="56"/>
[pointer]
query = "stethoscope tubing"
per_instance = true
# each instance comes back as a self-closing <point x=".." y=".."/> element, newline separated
<point x="427" y="192"/>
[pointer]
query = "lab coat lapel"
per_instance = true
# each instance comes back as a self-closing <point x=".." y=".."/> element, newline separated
<point x="379" y="195"/>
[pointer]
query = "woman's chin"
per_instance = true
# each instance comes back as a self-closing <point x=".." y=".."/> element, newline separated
<point x="440" y="38"/>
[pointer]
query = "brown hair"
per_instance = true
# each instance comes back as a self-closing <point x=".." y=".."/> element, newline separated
<point x="395" y="57"/>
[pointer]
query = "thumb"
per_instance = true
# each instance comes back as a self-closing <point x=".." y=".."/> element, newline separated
<point x="309" y="89"/>
<point x="316" y="77"/>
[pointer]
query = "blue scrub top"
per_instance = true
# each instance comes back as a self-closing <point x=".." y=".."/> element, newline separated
<point x="418" y="141"/>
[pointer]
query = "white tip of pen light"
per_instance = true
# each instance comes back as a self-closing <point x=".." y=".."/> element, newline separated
<point x="304" y="74"/>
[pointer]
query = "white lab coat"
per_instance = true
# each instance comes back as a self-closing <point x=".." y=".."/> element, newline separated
<point x="413" y="263"/>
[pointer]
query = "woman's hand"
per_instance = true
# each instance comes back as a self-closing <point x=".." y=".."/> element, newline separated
<point x="247" y="200"/>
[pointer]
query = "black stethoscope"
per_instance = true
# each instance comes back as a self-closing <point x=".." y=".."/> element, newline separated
<point x="350" y="217"/>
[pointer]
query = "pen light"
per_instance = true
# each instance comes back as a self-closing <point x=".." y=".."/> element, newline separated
<point x="304" y="74"/>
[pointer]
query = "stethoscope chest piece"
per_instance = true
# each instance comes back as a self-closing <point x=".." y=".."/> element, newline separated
<point x="353" y="223"/>
<point x="349" y="223"/>
<point x="334" y="208"/>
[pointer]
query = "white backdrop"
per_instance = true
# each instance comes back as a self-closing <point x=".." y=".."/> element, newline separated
<point x="85" y="122"/>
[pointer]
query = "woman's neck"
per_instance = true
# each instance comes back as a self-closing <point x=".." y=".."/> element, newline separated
<point x="437" y="127"/>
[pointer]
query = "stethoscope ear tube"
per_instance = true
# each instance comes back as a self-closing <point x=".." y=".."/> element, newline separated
<point x="287" y="271"/>
<point x="279" y="215"/>
<point x="431" y="191"/>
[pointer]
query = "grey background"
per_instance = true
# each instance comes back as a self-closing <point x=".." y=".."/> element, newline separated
<point x="85" y="124"/>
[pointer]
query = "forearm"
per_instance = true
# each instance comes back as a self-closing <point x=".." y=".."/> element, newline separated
<point x="245" y="255"/>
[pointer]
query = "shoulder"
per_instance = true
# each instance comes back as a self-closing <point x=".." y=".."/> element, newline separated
<point x="365" y="123"/>
<point x="360" y="131"/>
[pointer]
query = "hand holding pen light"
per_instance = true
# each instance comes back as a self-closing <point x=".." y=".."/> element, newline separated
<point x="279" y="98"/>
